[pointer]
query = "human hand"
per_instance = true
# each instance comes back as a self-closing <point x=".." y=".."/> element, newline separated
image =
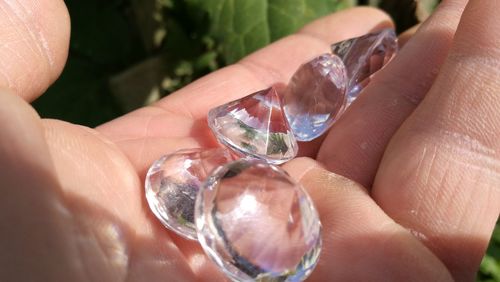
<point x="73" y="206"/>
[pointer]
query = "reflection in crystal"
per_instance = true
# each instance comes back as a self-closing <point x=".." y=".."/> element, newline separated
<point x="255" y="126"/>
<point x="321" y="89"/>
<point x="256" y="223"/>
<point x="114" y="239"/>
<point x="363" y="56"/>
<point x="315" y="96"/>
<point x="173" y="182"/>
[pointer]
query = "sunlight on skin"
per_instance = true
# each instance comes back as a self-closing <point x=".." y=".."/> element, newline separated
<point x="352" y="222"/>
<point x="89" y="183"/>
<point x="34" y="44"/>
<point x="391" y="100"/>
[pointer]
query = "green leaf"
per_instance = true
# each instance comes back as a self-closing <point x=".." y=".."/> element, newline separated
<point x="277" y="144"/>
<point x="490" y="265"/>
<point x="287" y="16"/>
<point x="242" y="27"/>
<point x="250" y="132"/>
<point x="491" y="268"/>
<point x="249" y="147"/>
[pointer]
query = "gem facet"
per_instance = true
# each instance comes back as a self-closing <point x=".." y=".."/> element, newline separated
<point x="315" y="96"/>
<point x="173" y="182"/>
<point x="257" y="224"/>
<point x="255" y="126"/>
<point x="365" y="55"/>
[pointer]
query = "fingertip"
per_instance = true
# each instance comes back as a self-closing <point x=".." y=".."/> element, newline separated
<point x="56" y="27"/>
<point x="35" y="41"/>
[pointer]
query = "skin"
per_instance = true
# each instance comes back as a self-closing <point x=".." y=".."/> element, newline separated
<point x="406" y="182"/>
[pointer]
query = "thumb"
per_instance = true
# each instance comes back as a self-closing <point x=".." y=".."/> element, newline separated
<point x="33" y="219"/>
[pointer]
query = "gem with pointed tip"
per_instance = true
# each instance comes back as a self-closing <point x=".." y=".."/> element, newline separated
<point x="173" y="182"/>
<point x="315" y="96"/>
<point x="363" y="56"/>
<point x="257" y="224"/>
<point x="255" y="126"/>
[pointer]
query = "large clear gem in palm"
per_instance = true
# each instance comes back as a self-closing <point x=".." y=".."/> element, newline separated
<point x="257" y="224"/>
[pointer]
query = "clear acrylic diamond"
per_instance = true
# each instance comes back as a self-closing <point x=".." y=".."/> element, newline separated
<point x="255" y="126"/>
<point x="258" y="224"/>
<point x="315" y="96"/>
<point x="173" y="182"/>
<point x="363" y="56"/>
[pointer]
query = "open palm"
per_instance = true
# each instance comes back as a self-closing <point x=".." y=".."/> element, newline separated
<point x="419" y="152"/>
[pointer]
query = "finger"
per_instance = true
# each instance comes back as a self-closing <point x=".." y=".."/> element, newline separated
<point x="125" y="240"/>
<point x="181" y="116"/>
<point x="441" y="173"/>
<point x="55" y="223"/>
<point x="34" y="39"/>
<point x="33" y="218"/>
<point x="355" y="144"/>
<point x="360" y="242"/>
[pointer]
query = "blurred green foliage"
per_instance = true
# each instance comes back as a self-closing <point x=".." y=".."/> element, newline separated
<point x="242" y="27"/>
<point x="490" y="266"/>
<point x="127" y="53"/>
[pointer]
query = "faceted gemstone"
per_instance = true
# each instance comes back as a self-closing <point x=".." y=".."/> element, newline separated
<point x="315" y="96"/>
<point x="257" y="224"/>
<point x="363" y="56"/>
<point x="255" y="126"/>
<point x="173" y="182"/>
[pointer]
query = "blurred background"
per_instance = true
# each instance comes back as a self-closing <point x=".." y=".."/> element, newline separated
<point x="125" y="54"/>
